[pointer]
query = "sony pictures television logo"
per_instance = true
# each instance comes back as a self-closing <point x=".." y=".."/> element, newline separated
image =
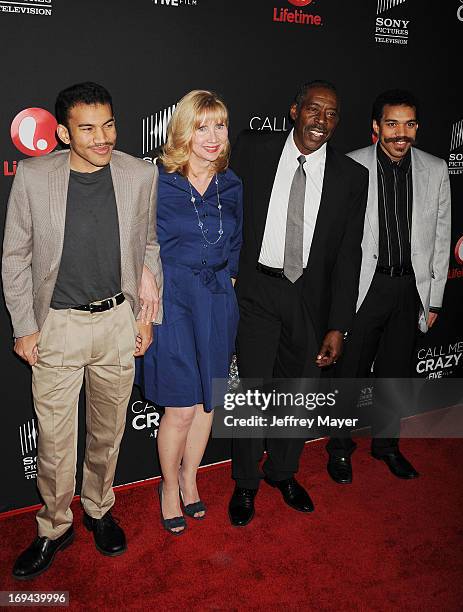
<point x="365" y="399"/>
<point x="456" y="149"/>
<point x="145" y="417"/>
<point x="28" y="441"/>
<point x="154" y="132"/>
<point x="38" y="8"/>
<point x="392" y="30"/>
<point x="176" y="2"/>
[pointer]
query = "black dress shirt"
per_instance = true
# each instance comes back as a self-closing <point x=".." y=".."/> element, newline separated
<point x="395" y="200"/>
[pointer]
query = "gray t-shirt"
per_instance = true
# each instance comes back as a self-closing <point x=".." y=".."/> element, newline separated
<point x="90" y="267"/>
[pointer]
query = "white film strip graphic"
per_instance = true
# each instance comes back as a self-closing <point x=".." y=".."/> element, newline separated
<point x="385" y="5"/>
<point x="28" y="437"/>
<point x="155" y="129"/>
<point x="457" y="135"/>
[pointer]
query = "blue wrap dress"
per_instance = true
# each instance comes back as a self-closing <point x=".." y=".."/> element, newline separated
<point x="196" y="340"/>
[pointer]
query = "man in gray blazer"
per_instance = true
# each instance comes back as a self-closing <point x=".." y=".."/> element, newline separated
<point x="79" y="235"/>
<point x="405" y="255"/>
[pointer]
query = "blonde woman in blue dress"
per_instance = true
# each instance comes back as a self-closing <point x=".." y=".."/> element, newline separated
<point x="199" y="221"/>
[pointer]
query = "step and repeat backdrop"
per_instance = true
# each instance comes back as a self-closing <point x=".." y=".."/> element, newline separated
<point x="255" y="53"/>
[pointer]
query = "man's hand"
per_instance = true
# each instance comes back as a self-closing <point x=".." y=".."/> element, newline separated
<point x="149" y="297"/>
<point x="26" y="348"/>
<point x="330" y="350"/>
<point x="144" y="338"/>
<point x="432" y="316"/>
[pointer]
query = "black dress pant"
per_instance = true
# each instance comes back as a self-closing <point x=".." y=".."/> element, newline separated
<point x="383" y="338"/>
<point x="275" y="340"/>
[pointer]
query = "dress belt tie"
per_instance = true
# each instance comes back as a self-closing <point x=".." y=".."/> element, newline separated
<point x="207" y="274"/>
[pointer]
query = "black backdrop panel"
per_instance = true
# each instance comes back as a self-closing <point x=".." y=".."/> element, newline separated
<point x="148" y="53"/>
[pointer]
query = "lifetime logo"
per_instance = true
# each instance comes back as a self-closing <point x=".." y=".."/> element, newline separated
<point x="459" y="251"/>
<point x="33" y="132"/>
<point x="285" y="15"/>
<point x="155" y="129"/>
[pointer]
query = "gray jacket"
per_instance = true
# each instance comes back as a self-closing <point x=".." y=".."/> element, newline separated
<point x="430" y="233"/>
<point x="34" y="233"/>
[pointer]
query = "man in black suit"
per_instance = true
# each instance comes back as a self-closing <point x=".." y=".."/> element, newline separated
<point x="304" y="206"/>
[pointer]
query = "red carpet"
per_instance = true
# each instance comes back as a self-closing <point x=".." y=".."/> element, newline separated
<point x="379" y="544"/>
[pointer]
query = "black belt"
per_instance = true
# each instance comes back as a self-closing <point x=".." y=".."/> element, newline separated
<point x="275" y="272"/>
<point x="395" y="270"/>
<point x="102" y="305"/>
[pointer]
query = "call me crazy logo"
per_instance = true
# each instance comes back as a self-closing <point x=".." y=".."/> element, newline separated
<point x="145" y="417"/>
<point x="298" y="16"/>
<point x="439" y="361"/>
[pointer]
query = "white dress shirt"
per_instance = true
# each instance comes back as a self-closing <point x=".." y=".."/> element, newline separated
<point x="273" y="244"/>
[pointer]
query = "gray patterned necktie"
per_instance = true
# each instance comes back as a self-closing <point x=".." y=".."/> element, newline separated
<point x="294" y="248"/>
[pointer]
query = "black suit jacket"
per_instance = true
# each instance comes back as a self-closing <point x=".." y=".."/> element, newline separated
<point x="331" y="279"/>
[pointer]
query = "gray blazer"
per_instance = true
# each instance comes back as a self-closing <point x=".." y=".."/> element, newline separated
<point x="430" y="234"/>
<point x="34" y="233"/>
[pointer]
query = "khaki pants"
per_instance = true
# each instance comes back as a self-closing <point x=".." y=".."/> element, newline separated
<point x="73" y="344"/>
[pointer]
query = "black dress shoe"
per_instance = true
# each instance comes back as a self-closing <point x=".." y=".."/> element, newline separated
<point x="40" y="554"/>
<point x="241" y="506"/>
<point x="399" y="466"/>
<point x="109" y="537"/>
<point x="340" y="469"/>
<point x="293" y="493"/>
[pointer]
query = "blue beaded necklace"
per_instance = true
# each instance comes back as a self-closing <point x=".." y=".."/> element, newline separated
<point x="219" y="208"/>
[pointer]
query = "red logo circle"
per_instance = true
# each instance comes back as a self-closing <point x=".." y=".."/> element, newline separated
<point x="459" y="251"/>
<point x="33" y="132"/>
<point x="300" y="2"/>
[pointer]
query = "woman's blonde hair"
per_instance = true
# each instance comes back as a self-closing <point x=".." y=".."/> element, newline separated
<point x="189" y="114"/>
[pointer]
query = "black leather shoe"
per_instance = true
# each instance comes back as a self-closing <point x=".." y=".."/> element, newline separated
<point x="399" y="466"/>
<point x="340" y="469"/>
<point x="241" y="506"/>
<point x="39" y="556"/>
<point x="293" y="493"/>
<point x="109" y="537"/>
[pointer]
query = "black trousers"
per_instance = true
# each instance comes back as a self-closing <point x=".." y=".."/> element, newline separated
<point x="275" y="339"/>
<point x="383" y="338"/>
